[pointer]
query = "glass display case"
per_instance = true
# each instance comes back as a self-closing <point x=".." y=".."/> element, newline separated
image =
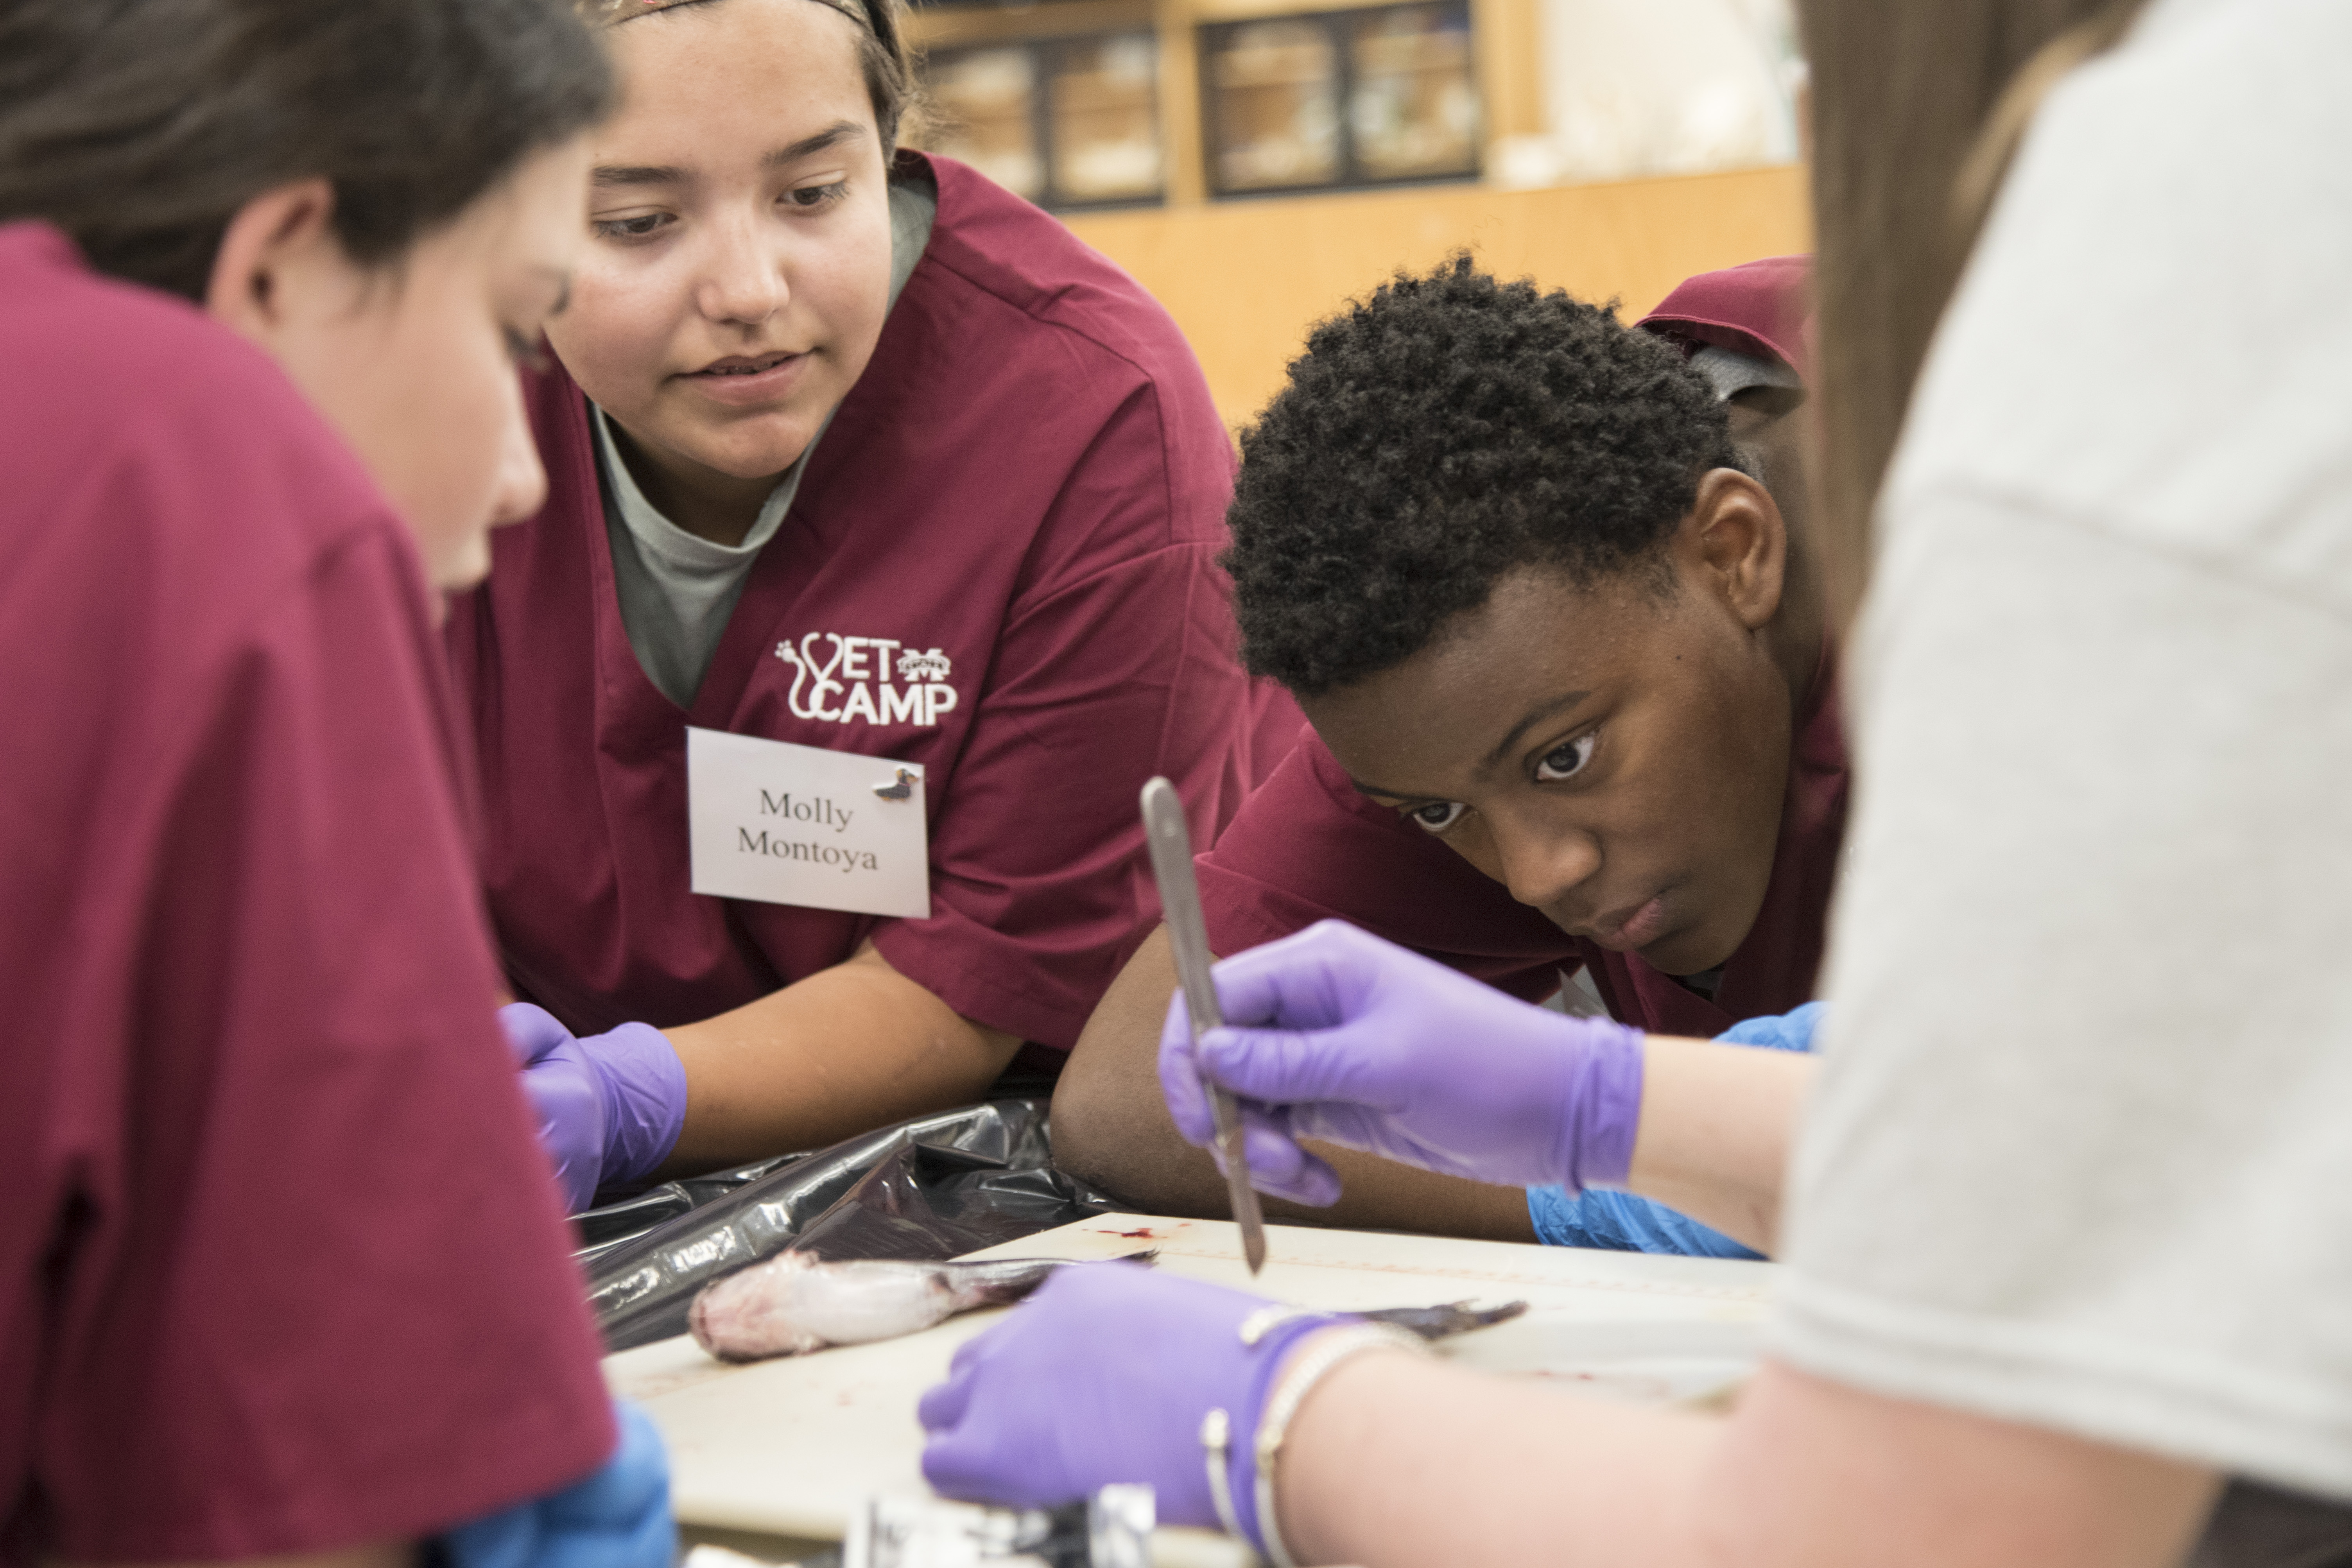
<point x="1067" y="122"/>
<point x="1272" y="105"/>
<point x="1340" y="98"/>
<point x="1103" y="120"/>
<point x="1072" y="117"/>
<point x="982" y="109"/>
<point x="1413" y="105"/>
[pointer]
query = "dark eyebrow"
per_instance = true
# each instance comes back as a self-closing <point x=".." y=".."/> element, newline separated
<point x="638" y="174"/>
<point x="1373" y="789"/>
<point x="833" y="135"/>
<point x="1536" y="715"/>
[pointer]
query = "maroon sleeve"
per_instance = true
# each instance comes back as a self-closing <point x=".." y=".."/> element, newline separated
<point x="309" y="1283"/>
<point x="1306" y="847"/>
<point x="1110" y="673"/>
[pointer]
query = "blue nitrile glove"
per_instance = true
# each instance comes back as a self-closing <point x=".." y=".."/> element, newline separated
<point x="609" y="1108"/>
<point x="1334" y="1033"/>
<point x="1105" y="1375"/>
<point x="618" y="1518"/>
<point x="1792" y="1031"/>
<point x="1622" y="1222"/>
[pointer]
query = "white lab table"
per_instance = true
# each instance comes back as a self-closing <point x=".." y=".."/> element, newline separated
<point x="787" y="1448"/>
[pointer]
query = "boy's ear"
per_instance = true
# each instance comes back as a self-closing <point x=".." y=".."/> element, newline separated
<point x="1737" y="543"/>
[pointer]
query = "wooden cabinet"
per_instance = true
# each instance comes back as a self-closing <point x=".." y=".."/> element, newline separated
<point x="1082" y="103"/>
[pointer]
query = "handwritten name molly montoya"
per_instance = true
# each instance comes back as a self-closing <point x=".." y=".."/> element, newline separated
<point x="817" y="812"/>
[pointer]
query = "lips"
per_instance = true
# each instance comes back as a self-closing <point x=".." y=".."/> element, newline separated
<point x="754" y="381"/>
<point x="738" y="365"/>
<point x="1629" y="929"/>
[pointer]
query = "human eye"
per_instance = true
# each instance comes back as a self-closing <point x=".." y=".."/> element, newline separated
<point x="816" y="197"/>
<point x="1568" y="758"/>
<point x="636" y="225"/>
<point x="1437" y="817"/>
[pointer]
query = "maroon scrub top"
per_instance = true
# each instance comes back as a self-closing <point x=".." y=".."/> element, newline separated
<point x="1025" y="494"/>
<point x="281" y="1268"/>
<point x="1308" y="847"/>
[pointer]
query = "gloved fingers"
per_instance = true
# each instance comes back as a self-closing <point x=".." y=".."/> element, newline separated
<point x="1280" y="1168"/>
<point x="943" y="1404"/>
<point x="1287" y="1066"/>
<point x="512" y="1538"/>
<point x="531" y="1032"/>
<point x="978" y="1463"/>
<point x="577" y="1177"/>
<point x="636" y="1479"/>
<point x="1179" y="1077"/>
<point x="1792" y="1031"/>
<point x="651" y="1542"/>
<point x="1306" y="980"/>
<point x="1277" y="1165"/>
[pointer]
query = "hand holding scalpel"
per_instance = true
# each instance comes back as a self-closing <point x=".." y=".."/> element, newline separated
<point x="1180" y="906"/>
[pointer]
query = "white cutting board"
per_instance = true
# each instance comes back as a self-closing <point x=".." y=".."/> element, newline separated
<point x="790" y="1447"/>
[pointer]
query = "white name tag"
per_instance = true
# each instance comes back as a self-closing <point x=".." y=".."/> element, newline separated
<point x="801" y="824"/>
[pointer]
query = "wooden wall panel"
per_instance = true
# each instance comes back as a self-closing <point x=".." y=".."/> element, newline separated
<point x="1245" y="279"/>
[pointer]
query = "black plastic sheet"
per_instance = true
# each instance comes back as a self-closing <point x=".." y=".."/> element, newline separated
<point x="930" y="1188"/>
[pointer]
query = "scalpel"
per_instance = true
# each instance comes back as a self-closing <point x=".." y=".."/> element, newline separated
<point x="1180" y="907"/>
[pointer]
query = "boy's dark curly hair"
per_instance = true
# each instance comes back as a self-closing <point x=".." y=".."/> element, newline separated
<point x="1443" y="433"/>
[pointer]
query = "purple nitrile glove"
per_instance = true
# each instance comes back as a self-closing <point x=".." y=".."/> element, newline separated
<point x="609" y="1108"/>
<point x="1334" y="1033"/>
<point x="1103" y="1376"/>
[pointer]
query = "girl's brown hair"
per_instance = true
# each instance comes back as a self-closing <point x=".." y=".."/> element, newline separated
<point x="1916" y="106"/>
<point x="140" y="127"/>
<point x="882" y="54"/>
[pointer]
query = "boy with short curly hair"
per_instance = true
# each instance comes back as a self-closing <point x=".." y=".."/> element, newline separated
<point x="1522" y="568"/>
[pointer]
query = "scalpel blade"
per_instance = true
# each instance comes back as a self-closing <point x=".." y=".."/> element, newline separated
<point x="1179" y="905"/>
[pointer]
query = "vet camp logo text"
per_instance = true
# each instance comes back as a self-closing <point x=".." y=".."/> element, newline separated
<point x="851" y="678"/>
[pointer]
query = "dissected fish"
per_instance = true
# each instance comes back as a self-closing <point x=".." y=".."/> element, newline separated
<point x="1443" y="1322"/>
<point x="793" y="1303"/>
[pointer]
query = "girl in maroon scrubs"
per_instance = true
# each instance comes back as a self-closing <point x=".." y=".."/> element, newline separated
<point x="851" y="451"/>
<point x="279" y="1272"/>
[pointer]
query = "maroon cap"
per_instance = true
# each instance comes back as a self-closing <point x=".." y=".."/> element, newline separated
<point x="1764" y="308"/>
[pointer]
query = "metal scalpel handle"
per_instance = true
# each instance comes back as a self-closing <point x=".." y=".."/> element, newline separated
<point x="1180" y="906"/>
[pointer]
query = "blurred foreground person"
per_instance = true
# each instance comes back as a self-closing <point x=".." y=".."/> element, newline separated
<point x="280" y="1268"/>
<point x="2069" y="1224"/>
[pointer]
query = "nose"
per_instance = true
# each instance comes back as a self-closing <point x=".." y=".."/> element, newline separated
<point x="742" y="279"/>
<point x="521" y="489"/>
<point x="1543" y="861"/>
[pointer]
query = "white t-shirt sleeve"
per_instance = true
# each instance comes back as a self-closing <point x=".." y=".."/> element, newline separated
<point x="2082" y="1152"/>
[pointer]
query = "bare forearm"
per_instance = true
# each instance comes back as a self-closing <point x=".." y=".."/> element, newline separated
<point x="1394" y="1461"/>
<point x="1717" y="1123"/>
<point x="850" y="1049"/>
<point x="1397" y="1460"/>
<point x="1111" y="1127"/>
